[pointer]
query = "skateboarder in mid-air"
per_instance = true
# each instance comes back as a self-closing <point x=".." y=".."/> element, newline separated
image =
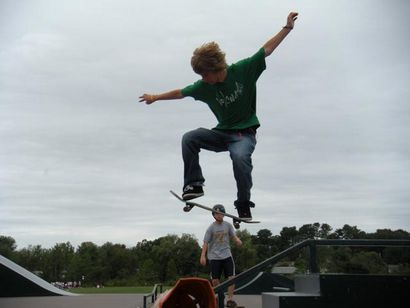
<point x="230" y="93"/>
<point x="217" y="248"/>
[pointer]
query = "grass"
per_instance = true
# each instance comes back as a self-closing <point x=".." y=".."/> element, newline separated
<point x="114" y="290"/>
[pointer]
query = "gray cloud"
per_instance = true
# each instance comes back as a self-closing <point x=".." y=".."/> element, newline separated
<point x="80" y="159"/>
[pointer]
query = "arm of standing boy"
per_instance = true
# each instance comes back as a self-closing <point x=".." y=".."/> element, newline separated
<point x="150" y="98"/>
<point x="203" y="253"/>
<point x="237" y="240"/>
<point x="274" y="42"/>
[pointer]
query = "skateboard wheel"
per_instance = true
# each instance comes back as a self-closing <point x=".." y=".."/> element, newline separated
<point x="236" y="224"/>
<point x="187" y="208"/>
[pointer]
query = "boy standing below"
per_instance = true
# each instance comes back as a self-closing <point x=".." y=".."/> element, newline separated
<point x="230" y="93"/>
<point x="217" y="248"/>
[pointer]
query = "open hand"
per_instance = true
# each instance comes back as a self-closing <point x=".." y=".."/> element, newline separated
<point x="291" y="19"/>
<point x="147" y="98"/>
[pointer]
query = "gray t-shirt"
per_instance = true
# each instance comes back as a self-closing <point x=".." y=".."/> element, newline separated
<point x="217" y="236"/>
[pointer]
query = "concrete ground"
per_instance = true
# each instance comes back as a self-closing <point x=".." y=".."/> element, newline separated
<point x="101" y="301"/>
<point x="249" y="301"/>
<point x="90" y="301"/>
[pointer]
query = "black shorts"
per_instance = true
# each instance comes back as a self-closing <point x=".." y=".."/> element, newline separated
<point x="227" y="266"/>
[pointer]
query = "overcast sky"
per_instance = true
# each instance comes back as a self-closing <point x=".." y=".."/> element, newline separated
<point x="82" y="160"/>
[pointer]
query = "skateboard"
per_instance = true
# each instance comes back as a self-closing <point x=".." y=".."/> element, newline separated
<point x="190" y="205"/>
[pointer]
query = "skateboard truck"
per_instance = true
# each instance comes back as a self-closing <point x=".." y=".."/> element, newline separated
<point x="236" y="223"/>
<point x="188" y="207"/>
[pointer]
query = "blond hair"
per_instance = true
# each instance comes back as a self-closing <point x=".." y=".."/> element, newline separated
<point x="208" y="57"/>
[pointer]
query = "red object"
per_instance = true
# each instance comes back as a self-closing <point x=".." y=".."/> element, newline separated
<point x="188" y="293"/>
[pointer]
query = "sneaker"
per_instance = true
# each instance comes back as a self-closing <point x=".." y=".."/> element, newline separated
<point x="244" y="209"/>
<point x="192" y="192"/>
<point x="231" y="304"/>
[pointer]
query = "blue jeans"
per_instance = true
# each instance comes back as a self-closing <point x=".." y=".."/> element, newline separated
<point x="240" y="147"/>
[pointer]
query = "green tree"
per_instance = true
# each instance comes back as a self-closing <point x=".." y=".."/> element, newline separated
<point x="88" y="264"/>
<point x="265" y="244"/>
<point x="117" y="262"/>
<point x="57" y="265"/>
<point x="186" y="255"/>
<point x="387" y="234"/>
<point x="288" y="237"/>
<point x="7" y="246"/>
<point x="245" y="256"/>
<point x="147" y="274"/>
<point x="348" y="233"/>
<point x="367" y="262"/>
<point x="346" y="260"/>
<point x="339" y="259"/>
<point x="309" y="231"/>
<point x="324" y="231"/>
<point x="171" y="271"/>
<point x="162" y="252"/>
<point x="34" y="259"/>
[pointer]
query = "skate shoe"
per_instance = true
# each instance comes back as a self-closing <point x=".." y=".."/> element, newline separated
<point x="244" y="209"/>
<point x="192" y="192"/>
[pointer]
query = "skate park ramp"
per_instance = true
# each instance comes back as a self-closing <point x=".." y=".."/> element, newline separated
<point x="16" y="281"/>
<point x="264" y="282"/>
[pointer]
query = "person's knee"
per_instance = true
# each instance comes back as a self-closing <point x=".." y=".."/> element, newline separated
<point x="191" y="136"/>
<point x="188" y="137"/>
<point x="241" y="158"/>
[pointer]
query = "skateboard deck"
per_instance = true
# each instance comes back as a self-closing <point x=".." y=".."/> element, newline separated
<point x="189" y="205"/>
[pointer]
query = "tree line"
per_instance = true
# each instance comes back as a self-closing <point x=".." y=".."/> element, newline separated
<point x="170" y="257"/>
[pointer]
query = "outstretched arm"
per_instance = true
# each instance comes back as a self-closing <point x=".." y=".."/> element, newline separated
<point x="274" y="42"/>
<point x="150" y="98"/>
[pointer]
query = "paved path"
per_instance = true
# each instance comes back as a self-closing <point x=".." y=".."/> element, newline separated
<point x="101" y="301"/>
<point x="89" y="301"/>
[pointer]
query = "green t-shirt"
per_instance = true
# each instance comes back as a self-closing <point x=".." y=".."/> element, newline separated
<point x="232" y="101"/>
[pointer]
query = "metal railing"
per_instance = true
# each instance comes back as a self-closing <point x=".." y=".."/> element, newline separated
<point x="313" y="266"/>
<point x="153" y="295"/>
